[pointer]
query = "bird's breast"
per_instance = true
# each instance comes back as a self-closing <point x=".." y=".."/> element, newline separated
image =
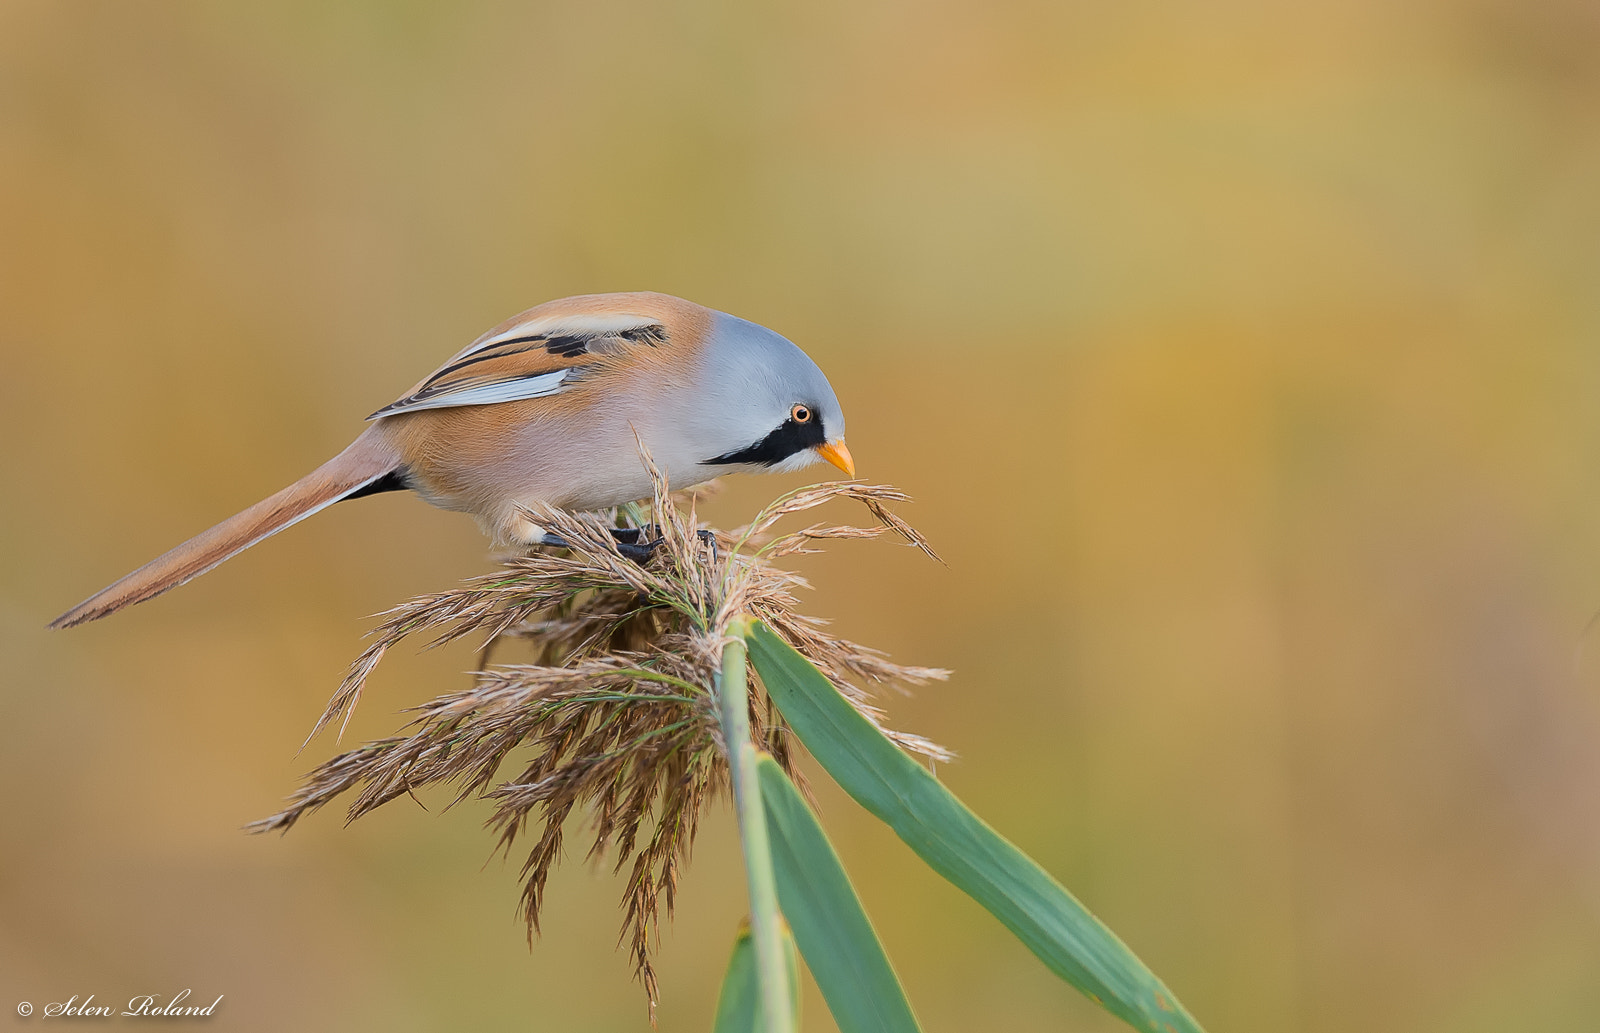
<point x="488" y="460"/>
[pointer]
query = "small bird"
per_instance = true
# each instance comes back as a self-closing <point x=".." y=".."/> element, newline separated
<point x="549" y="407"/>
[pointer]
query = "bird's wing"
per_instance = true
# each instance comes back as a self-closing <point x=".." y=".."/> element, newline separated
<point x="529" y="359"/>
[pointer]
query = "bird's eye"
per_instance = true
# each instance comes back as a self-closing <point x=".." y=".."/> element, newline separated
<point x="800" y="414"/>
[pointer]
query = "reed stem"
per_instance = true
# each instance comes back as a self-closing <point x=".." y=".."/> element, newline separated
<point x="765" y="920"/>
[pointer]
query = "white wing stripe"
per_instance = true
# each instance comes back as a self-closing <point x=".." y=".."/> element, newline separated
<point x="488" y="394"/>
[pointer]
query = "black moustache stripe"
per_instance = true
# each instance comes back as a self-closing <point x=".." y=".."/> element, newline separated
<point x="789" y="439"/>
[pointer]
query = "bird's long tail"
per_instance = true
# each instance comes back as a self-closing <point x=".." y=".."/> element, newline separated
<point x="368" y="459"/>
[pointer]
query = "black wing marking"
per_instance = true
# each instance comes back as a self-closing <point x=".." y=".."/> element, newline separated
<point x="529" y="366"/>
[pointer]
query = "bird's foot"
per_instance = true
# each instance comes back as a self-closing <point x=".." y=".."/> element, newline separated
<point x="630" y="537"/>
<point x="631" y="542"/>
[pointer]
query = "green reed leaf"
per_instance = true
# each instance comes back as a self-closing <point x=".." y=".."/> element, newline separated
<point x="739" y="1001"/>
<point x="958" y="845"/>
<point x="834" y="935"/>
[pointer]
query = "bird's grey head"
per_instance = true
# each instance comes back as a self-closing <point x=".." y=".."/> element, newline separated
<point x="767" y="404"/>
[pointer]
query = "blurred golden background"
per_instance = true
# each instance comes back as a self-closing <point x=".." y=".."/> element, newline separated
<point x="1241" y="357"/>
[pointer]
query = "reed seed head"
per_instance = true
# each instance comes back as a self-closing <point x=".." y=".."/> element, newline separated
<point x="615" y="716"/>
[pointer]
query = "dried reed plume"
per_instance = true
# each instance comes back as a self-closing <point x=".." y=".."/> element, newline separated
<point x="617" y="715"/>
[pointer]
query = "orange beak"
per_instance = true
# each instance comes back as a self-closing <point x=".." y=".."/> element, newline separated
<point x="835" y="453"/>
